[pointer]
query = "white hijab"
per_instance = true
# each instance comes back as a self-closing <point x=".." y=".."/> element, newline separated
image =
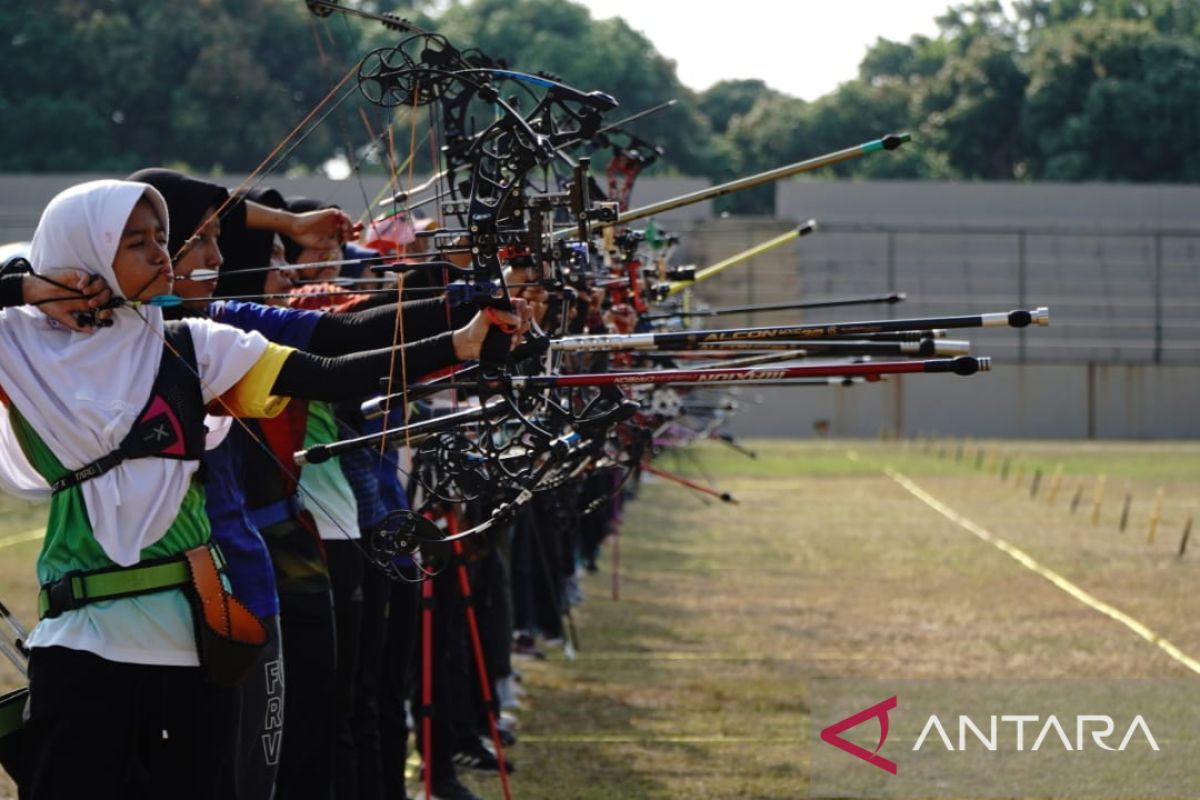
<point x="82" y="392"/>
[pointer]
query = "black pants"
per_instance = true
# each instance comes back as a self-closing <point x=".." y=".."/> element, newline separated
<point x="306" y="765"/>
<point x="399" y="678"/>
<point x="101" y="729"/>
<point x="455" y="697"/>
<point x="257" y="739"/>
<point x="346" y="567"/>
<point x="368" y="689"/>
<point x="493" y="608"/>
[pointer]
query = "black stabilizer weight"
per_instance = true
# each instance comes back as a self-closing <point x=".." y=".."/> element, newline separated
<point x="1019" y="318"/>
<point x="963" y="365"/>
<point x="894" y="140"/>
<point x="316" y="454"/>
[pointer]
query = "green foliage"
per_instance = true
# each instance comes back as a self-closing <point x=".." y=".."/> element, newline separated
<point x="123" y="84"/>
<point x="1113" y="101"/>
<point x="725" y="100"/>
<point x="972" y="110"/>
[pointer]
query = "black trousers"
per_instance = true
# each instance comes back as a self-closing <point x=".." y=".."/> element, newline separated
<point x="102" y="729"/>
<point x="346" y="567"/>
<point x="368" y="691"/>
<point x="306" y="765"/>
<point x="257" y="737"/>
<point x="399" y="677"/>
<point x="455" y="697"/>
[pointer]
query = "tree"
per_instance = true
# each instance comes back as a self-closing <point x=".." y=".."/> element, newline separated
<point x="971" y="110"/>
<point x="1109" y="100"/>
<point x="126" y="84"/>
<point x="725" y="100"/>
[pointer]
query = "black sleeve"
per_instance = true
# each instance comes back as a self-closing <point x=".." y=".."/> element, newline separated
<point x="373" y="328"/>
<point x="315" y="377"/>
<point x="12" y="291"/>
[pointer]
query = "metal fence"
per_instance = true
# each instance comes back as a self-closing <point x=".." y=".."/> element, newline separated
<point x="1116" y="296"/>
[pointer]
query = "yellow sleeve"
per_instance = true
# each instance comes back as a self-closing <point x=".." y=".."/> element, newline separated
<point x="251" y="396"/>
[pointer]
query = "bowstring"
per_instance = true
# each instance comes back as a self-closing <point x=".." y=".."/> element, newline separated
<point x="254" y="437"/>
<point x="253" y="178"/>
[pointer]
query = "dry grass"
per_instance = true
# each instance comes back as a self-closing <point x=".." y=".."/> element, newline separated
<point x="694" y="683"/>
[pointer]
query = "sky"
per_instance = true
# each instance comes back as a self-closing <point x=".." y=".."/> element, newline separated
<point x="803" y="48"/>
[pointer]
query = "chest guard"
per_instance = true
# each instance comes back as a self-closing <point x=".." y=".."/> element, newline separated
<point x="170" y="425"/>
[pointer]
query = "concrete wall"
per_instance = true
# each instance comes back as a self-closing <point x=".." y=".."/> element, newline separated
<point x="1096" y="206"/>
<point x="1119" y="267"/>
<point x="1030" y="401"/>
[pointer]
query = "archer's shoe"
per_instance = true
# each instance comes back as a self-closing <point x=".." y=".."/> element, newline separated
<point x="473" y="755"/>
<point x="508" y="693"/>
<point x="448" y="789"/>
<point x="525" y="646"/>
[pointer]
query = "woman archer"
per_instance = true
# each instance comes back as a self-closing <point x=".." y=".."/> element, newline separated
<point x="122" y="697"/>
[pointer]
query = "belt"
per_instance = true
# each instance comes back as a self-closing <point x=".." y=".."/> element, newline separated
<point x="77" y="589"/>
<point x="277" y="512"/>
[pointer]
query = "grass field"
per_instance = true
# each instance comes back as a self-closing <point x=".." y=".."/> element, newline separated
<point x="694" y="683"/>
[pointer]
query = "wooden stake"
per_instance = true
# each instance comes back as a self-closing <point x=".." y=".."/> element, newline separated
<point x="1098" y="498"/>
<point x="1155" y="516"/>
<point x="1183" y="540"/>
<point x="1075" y="498"/>
<point x="1125" y="509"/>
<point x="1035" y="484"/>
<point x="1055" y="484"/>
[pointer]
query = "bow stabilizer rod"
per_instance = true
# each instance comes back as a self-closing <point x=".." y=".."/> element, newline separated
<point x="963" y="365"/>
<point x="803" y="230"/>
<point x="888" y="142"/>
<point x="679" y="340"/>
<point x="799" y="305"/>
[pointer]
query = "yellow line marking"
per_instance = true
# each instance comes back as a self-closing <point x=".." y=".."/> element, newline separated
<point x="688" y="656"/>
<point x="27" y="536"/>
<point x="602" y="739"/>
<point x="1030" y="563"/>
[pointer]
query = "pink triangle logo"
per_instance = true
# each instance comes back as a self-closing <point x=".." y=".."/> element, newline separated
<point x="831" y="735"/>
<point x="159" y="432"/>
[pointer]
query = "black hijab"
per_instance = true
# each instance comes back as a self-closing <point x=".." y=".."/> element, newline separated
<point x="188" y="199"/>
<point x="300" y="205"/>
<point x="247" y="249"/>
